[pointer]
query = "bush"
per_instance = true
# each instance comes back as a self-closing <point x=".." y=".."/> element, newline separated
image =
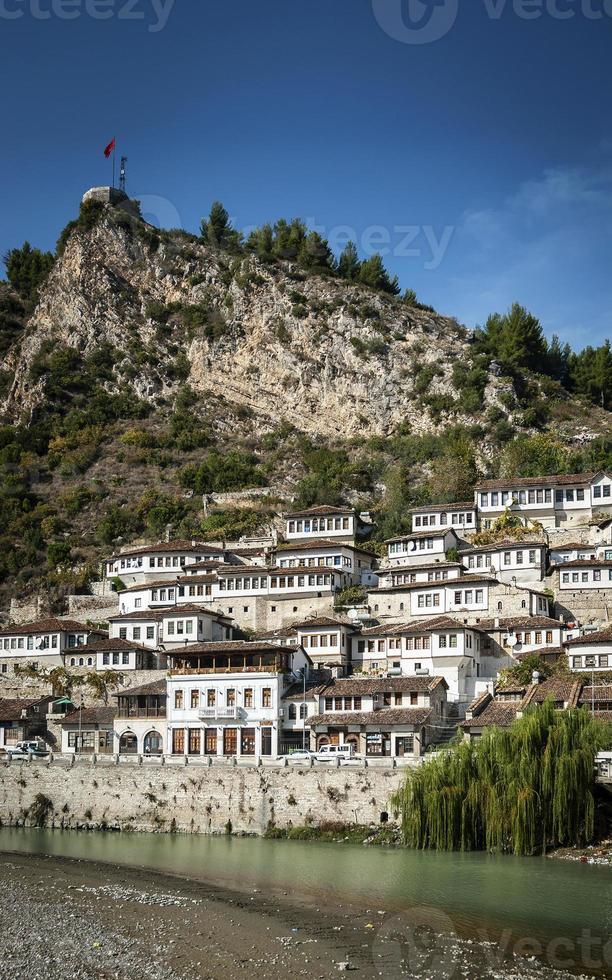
<point x="232" y="471"/>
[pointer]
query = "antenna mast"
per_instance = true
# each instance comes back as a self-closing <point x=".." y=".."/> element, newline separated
<point x="122" y="174"/>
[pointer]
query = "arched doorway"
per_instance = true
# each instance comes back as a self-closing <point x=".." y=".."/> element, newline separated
<point x="128" y="744"/>
<point x="322" y="740"/>
<point x="352" y="740"/>
<point x="153" y="744"/>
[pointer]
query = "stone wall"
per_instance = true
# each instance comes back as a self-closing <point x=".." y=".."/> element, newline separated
<point x="12" y="686"/>
<point x="194" y="798"/>
<point x="94" y="608"/>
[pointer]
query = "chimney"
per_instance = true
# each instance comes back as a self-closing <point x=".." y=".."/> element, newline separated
<point x="168" y="532"/>
<point x="536" y="677"/>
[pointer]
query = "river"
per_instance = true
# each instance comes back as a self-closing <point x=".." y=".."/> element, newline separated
<point x="559" y="911"/>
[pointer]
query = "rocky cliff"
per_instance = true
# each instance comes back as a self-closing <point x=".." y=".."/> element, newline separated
<point x="331" y="358"/>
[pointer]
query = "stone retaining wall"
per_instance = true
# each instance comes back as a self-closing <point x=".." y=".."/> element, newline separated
<point x="192" y="798"/>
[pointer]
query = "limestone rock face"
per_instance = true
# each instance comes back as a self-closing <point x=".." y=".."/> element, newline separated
<point x="334" y="359"/>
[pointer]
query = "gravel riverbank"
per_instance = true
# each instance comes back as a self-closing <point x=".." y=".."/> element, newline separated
<point x="64" y="919"/>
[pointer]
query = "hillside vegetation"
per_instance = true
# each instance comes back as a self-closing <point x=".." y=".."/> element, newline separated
<point x="141" y="369"/>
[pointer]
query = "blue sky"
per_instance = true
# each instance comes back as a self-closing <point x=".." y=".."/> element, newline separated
<point x="479" y="162"/>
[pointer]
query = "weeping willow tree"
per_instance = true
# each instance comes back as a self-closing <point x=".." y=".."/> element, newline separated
<point x="521" y="790"/>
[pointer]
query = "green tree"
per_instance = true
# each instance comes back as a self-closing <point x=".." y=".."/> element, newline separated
<point x="288" y="238"/>
<point x="26" y="269"/>
<point x="592" y="374"/>
<point x="315" y="254"/>
<point x="261" y="241"/>
<point x="373" y="273"/>
<point x="454" y="473"/>
<point x="515" y="339"/>
<point x="101" y="683"/>
<point x="539" y="455"/>
<point x="348" y="263"/>
<point x="218" y="231"/>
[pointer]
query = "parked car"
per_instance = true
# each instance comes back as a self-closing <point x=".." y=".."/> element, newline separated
<point x="300" y="755"/>
<point x="22" y="750"/>
<point x="333" y="752"/>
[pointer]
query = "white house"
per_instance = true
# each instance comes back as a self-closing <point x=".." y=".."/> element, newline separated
<point x="514" y="636"/>
<point x="553" y="501"/>
<point x="442" y="646"/>
<point x="459" y="517"/>
<point x="573" y="551"/>
<point x="584" y="574"/>
<point x="171" y="626"/>
<point x="357" y="566"/>
<point x="421" y="546"/>
<point x="522" y="561"/>
<point x="140" y="719"/>
<point x="316" y="522"/>
<point x="440" y="571"/>
<point x="159" y="561"/>
<point x="466" y="594"/>
<point x="593" y="651"/>
<point x="115" y="654"/>
<point x="226" y="698"/>
<point x="44" y="641"/>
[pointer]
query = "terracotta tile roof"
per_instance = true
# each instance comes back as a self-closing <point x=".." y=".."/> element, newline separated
<point x="284" y="632"/>
<point x="601" y="636"/>
<point x="508" y="544"/>
<point x="468" y="579"/>
<point x="522" y="622"/>
<point x="432" y="532"/>
<point x="321" y="511"/>
<point x="230" y="646"/>
<point x="356" y="686"/>
<point x="90" y="716"/>
<point x="168" y="547"/>
<point x="152" y="688"/>
<point x="305" y="570"/>
<point x="572" y="546"/>
<point x="418" y="626"/>
<point x="603" y="692"/>
<point x="320" y="544"/>
<point x="313" y="690"/>
<point x="441" y="508"/>
<point x="583" y="563"/>
<point x="498" y="714"/>
<point x="242" y="569"/>
<point x="564" y="479"/>
<point x="432" y="566"/>
<point x="381" y="719"/>
<point x="557" y="688"/>
<point x="151" y="615"/>
<point x="197" y="579"/>
<point x="550" y="654"/>
<point x="11" y="708"/>
<point x="323" y="621"/>
<point x="51" y="625"/>
<point x="105" y="644"/>
<point x="158" y="584"/>
<point x="204" y="565"/>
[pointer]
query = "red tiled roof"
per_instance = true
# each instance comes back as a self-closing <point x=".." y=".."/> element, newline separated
<point x="441" y="508"/>
<point x="152" y="688"/>
<point x="432" y="532"/>
<point x="356" y="686"/>
<point x="89" y="716"/>
<point x="386" y="716"/>
<point x="11" y="708"/>
<point x="601" y="636"/>
<point x="167" y="547"/>
<point x="498" y="714"/>
<point x="105" y="644"/>
<point x="321" y="544"/>
<point x="51" y="625"/>
<point x="522" y="622"/>
<point x="564" y="479"/>
<point x="321" y="511"/>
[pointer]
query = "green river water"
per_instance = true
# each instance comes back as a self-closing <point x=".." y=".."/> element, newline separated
<point x="560" y="910"/>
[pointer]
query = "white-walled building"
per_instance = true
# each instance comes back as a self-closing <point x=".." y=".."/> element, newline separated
<point x="356" y="565"/>
<point x="591" y="652"/>
<point x="159" y="561"/>
<point x="226" y="698"/>
<point x="553" y="501"/>
<point x="442" y="646"/>
<point x="459" y="517"/>
<point x="441" y="571"/>
<point x="573" y="551"/>
<point x="514" y="636"/>
<point x="317" y="522"/>
<point x="465" y="594"/>
<point x="171" y="626"/>
<point x="585" y="574"/>
<point x="521" y="561"/>
<point x="114" y="654"/>
<point x="45" y="641"/>
<point x="421" y="546"/>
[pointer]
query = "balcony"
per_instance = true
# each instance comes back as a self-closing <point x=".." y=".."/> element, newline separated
<point x="220" y="711"/>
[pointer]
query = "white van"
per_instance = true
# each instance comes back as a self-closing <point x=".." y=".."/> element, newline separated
<point x="327" y="752"/>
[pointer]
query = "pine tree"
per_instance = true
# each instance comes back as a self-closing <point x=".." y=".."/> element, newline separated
<point x="288" y="238"/>
<point x="373" y="273"/>
<point x="315" y="254"/>
<point x="26" y="269"/>
<point x="261" y="241"/>
<point x="349" y="264"/>
<point x="218" y="231"/>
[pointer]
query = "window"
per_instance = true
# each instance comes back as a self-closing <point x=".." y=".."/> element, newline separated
<point x="137" y="603"/>
<point x="549" y="636"/>
<point x="248" y="697"/>
<point x="178" y="699"/>
<point x="266" y="697"/>
<point x="150" y="632"/>
<point x="125" y="658"/>
<point x="211" y="698"/>
<point x="195" y="739"/>
<point x="178" y="740"/>
<point x="230" y="697"/>
<point x="597" y="492"/>
<point x="136" y="632"/>
<point x="194" y="700"/>
<point x="123" y="633"/>
<point x="105" y="659"/>
<point x="292" y="712"/>
<point x="230" y="741"/>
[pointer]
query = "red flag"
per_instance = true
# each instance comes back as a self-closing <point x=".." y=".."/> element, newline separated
<point x="109" y="149"/>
